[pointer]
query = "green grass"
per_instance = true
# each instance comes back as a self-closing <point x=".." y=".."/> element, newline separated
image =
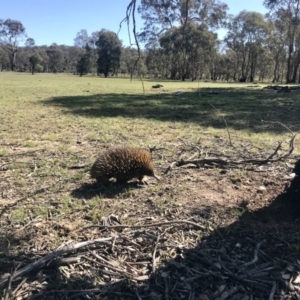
<point x="3" y="152"/>
<point x="18" y="215"/>
<point x="65" y="120"/>
<point x="57" y="108"/>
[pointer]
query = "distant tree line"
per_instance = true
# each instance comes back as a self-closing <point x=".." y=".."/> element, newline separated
<point x="180" y="43"/>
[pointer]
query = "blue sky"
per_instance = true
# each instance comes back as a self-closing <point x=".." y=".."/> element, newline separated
<point x="58" y="21"/>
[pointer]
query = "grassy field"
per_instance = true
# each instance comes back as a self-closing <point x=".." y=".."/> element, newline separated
<point x="52" y="128"/>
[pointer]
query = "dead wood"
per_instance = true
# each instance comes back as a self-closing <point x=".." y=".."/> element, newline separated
<point x="154" y="255"/>
<point x="178" y="222"/>
<point x="51" y="256"/>
<point x="255" y="259"/>
<point x="233" y="162"/>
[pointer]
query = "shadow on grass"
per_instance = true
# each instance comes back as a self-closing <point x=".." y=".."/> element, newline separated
<point x="242" y="108"/>
<point x="90" y="190"/>
<point x="252" y="258"/>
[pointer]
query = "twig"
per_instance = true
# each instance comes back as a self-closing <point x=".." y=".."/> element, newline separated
<point x="255" y="259"/>
<point x="79" y="293"/>
<point x="271" y="297"/>
<point x="130" y="11"/>
<point x="276" y="122"/>
<point x="44" y="260"/>
<point x="229" y="137"/>
<point x="100" y="258"/>
<point x="147" y="225"/>
<point x="8" y="290"/>
<point x="15" y="292"/>
<point x="35" y="219"/>
<point x="154" y="254"/>
<point x="170" y="167"/>
<point x="232" y="163"/>
<point x="74" y="167"/>
<point x="110" y="266"/>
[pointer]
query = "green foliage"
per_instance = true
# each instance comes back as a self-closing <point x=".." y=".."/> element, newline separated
<point x="84" y="63"/>
<point x="109" y="51"/>
<point x="187" y="47"/>
<point x="130" y="64"/>
<point x="10" y="33"/>
<point x="56" y="58"/>
<point x="4" y="60"/>
<point x="162" y="15"/>
<point x="35" y="59"/>
<point x="247" y="36"/>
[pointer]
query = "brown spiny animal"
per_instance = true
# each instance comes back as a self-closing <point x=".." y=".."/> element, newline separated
<point x="123" y="163"/>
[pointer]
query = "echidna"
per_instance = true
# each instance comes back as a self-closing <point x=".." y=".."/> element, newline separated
<point x="123" y="163"/>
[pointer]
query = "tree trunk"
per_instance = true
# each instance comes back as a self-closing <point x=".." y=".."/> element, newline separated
<point x="289" y="62"/>
<point x="275" y="70"/>
<point x="295" y="71"/>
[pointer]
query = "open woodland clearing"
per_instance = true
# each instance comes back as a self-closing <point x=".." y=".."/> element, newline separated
<point x="244" y="240"/>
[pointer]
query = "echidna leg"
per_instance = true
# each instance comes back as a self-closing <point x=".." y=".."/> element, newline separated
<point x="143" y="179"/>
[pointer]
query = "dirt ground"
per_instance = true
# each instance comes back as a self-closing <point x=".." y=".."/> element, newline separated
<point x="205" y="232"/>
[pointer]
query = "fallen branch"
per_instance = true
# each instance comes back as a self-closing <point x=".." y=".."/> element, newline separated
<point x="233" y="163"/>
<point x="146" y="225"/>
<point x="54" y="255"/>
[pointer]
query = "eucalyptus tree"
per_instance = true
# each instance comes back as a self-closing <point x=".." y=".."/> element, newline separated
<point x="287" y="20"/>
<point x="82" y="39"/>
<point x="4" y="59"/>
<point x="109" y="51"/>
<point x="84" y="63"/>
<point x="278" y="50"/>
<point x="34" y="59"/>
<point x="11" y="33"/>
<point x="172" y="24"/>
<point x="157" y="62"/>
<point x="247" y="35"/>
<point x="129" y="63"/>
<point x="55" y="58"/>
<point x="188" y="49"/>
<point x="161" y="15"/>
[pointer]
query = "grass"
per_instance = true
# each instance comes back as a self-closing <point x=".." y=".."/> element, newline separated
<point x="55" y="114"/>
<point x="52" y="123"/>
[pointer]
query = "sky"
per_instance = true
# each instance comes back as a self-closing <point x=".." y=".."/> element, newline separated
<point x="58" y="21"/>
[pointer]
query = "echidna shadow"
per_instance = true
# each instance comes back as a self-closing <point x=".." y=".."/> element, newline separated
<point x="123" y="163"/>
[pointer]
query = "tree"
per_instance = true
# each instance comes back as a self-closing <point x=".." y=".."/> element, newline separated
<point x="109" y="52"/>
<point x="56" y="59"/>
<point x="188" y="48"/>
<point x="277" y="48"/>
<point x="161" y="15"/>
<point x="30" y="42"/>
<point x="82" y="66"/>
<point x="11" y="31"/>
<point x="84" y="63"/>
<point x="82" y="39"/>
<point x="247" y="36"/>
<point x="129" y="63"/>
<point x="34" y="60"/>
<point x="4" y="59"/>
<point x="287" y="15"/>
